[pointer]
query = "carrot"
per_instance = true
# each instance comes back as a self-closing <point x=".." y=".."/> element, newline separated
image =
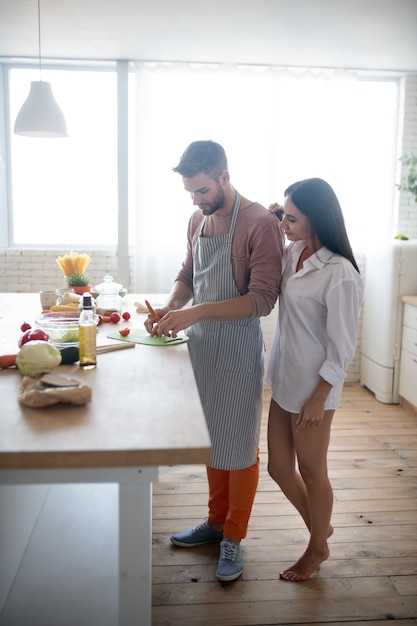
<point x="155" y="316"/>
<point x="7" y="360"/>
<point x="64" y="307"/>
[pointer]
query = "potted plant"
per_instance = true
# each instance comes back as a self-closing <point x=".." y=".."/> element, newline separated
<point x="73" y="266"/>
<point x="80" y="283"/>
<point x="409" y="180"/>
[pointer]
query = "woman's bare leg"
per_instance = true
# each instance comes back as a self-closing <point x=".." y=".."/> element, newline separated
<point x="311" y="447"/>
<point x="282" y="460"/>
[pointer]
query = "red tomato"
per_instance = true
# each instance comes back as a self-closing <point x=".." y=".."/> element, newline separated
<point x="126" y="315"/>
<point x="31" y="335"/>
<point x="25" y="326"/>
<point x="124" y="332"/>
<point x="115" y="318"/>
<point x="99" y="319"/>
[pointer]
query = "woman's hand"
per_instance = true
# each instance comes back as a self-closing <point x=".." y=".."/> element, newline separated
<point x="312" y="411"/>
<point x="277" y="209"/>
<point x="311" y="414"/>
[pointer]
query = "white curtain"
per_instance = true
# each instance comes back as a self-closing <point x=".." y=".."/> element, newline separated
<point x="277" y="126"/>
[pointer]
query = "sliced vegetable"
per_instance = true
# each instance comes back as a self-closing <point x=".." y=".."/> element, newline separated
<point x="70" y="336"/>
<point x="124" y="332"/>
<point x="155" y="317"/>
<point x="25" y="326"/>
<point x="37" y="357"/>
<point x="7" y="360"/>
<point x="126" y="315"/>
<point x="115" y="318"/>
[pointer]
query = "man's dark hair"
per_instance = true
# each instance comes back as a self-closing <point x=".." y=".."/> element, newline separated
<point x="207" y="156"/>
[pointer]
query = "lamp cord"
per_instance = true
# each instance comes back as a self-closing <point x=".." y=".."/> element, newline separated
<point x="39" y="35"/>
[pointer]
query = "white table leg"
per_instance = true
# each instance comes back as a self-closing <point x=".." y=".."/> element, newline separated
<point x="135" y="543"/>
<point x="135" y="528"/>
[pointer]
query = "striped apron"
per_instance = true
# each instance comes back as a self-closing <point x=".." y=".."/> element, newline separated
<point x="228" y="358"/>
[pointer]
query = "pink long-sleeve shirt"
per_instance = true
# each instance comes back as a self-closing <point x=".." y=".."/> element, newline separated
<point x="256" y="253"/>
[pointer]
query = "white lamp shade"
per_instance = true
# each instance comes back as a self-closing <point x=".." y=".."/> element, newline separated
<point x="40" y="115"/>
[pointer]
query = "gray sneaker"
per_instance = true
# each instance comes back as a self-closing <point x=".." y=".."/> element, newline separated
<point x="203" y="533"/>
<point x="230" y="565"/>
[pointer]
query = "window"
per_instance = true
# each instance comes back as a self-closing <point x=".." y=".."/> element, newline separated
<point x="64" y="191"/>
<point x="277" y="126"/>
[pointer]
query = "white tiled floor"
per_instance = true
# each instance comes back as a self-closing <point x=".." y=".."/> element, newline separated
<point x="65" y="548"/>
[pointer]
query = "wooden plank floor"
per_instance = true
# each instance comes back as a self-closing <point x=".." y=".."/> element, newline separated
<point x="371" y="576"/>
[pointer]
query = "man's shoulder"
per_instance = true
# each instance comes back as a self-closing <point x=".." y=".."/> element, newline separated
<point x="255" y="209"/>
<point x="256" y="212"/>
<point x="196" y="218"/>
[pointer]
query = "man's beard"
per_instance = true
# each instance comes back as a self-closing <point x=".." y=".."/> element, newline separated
<point x="217" y="203"/>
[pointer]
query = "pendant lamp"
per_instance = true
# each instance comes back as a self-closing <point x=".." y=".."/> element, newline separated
<point x="40" y="115"/>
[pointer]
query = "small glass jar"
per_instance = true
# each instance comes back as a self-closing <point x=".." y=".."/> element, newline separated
<point x="108" y="300"/>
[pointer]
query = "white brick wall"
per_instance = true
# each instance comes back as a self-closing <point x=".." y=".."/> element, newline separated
<point x="33" y="270"/>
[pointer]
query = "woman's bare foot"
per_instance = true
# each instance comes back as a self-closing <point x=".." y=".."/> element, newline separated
<point x="305" y="566"/>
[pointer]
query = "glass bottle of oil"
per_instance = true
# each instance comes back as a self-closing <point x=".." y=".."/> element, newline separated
<point x="87" y="334"/>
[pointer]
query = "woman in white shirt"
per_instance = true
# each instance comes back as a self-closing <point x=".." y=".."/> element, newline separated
<point x="314" y="342"/>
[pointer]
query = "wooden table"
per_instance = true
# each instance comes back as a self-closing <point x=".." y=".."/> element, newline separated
<point x="145" y="412"/>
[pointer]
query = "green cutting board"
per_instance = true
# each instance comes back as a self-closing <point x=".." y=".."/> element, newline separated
<point x="137" y="335"/>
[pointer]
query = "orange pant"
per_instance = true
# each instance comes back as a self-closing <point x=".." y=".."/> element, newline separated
<point x="231" y="496"/>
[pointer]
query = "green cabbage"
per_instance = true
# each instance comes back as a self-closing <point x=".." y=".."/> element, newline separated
<point x="37" y="357"/>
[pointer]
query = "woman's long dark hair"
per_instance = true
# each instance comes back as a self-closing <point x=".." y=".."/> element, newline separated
<point x="317" y="200"/>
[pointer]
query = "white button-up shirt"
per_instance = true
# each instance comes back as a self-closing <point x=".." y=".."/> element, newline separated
<point x="317" y="326"/>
